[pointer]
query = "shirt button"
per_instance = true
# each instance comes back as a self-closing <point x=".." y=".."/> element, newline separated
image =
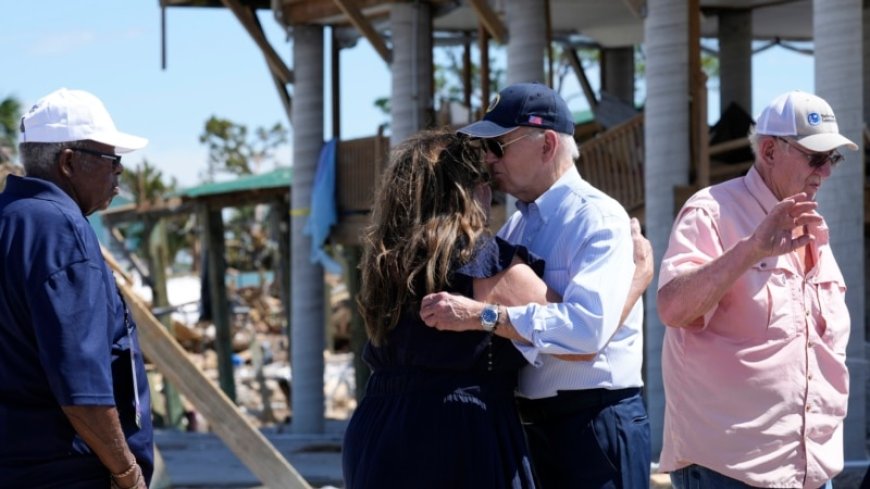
<point x="808" y="408"/>
<point x="809" y="376"/>
<point x="808" y="313"/>
<point x="809" y="344"/>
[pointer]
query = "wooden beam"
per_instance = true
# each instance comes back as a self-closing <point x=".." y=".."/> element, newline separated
<point x="280" y="84"/>
<point x="577" y="64"/>
<point x="362" y="24"/>
<point x="248" y="19"/>
<point x="698" y="128"/>
<point x="467" y="83"/>
<point x="335" y="82"/>
<point x="548" y="23"/>
<point x="225" y="419"/>
<point x="483" y="41"/>
<point x="212" y="225"/>
<point x="297" y="12"/>
<point x="637" y="7"/>
<point x="490" y="20"/>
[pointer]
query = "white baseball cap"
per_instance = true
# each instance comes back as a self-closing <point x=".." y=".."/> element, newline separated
<point x="74" y="115"/>
<point x="807" y="118"/>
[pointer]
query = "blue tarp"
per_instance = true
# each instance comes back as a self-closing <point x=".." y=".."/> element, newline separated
<point x="324" y="213"/>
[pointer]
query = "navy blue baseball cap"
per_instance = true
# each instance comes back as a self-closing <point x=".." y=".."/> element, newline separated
<point x="523" y="104"/>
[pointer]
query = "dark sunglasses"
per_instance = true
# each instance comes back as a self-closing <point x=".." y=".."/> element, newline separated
<point x="497" y="147"/>
<point x="115" y="159"/>
<point x="816" y="160"/>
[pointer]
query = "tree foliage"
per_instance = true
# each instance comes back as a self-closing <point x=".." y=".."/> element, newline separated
<point x="146" y="183"/>
<point x="10" y="115"/>
<point x="149" y="187"/>
<point x="232" y="150"/>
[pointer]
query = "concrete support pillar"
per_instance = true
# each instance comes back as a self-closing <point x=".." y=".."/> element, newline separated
<point x="307" y="331"/>
<point x="735" y="59"/>
<point x="617" y="73"/>
<point x="527" y="42"/>
<point x="666" y="143"/>
<point x="411" y="106"/>
<point x="838" y="79"/>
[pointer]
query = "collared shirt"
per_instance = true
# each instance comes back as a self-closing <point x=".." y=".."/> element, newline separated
<point x="63" y="341"/>
<point x="759" y="393"/>
<point x="584" y="237"/>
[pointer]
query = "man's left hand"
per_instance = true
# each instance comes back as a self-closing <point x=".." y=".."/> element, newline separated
<point x="451" y="312"/>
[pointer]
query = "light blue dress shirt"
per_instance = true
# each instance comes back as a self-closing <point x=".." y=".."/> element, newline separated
<point x="585" y="237"/>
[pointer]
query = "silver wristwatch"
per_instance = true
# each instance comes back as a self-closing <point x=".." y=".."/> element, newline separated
<point x="489" y="317"/>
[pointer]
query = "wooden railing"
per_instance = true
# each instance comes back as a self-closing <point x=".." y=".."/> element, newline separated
<point x="358" y="170"/>
<point x="613" y="162"/>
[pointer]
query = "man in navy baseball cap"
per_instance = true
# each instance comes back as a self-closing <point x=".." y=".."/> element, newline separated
<point x="586" y="239"/>
<point x="523" y="104"/>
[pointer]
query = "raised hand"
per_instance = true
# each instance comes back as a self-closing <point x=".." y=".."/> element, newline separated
<point x="775" y="235"/>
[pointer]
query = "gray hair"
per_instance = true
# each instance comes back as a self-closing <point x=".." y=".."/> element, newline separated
<point x="755" y="139"/>
<point x="39" y="158"/>
<point x="570" y="144"/>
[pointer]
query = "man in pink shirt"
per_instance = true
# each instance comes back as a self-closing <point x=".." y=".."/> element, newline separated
<point x="754" y="356"/>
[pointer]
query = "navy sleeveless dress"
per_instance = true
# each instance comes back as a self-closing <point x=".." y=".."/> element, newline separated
<point x="439" y="408"/>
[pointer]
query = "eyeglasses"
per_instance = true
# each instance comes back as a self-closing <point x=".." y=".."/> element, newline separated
<point x="115" y="159"/>
<point x="816" y="160"/>
<point x="497" y="147"/>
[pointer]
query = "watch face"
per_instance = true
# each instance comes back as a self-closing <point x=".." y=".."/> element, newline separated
<point x="489" y="316"/>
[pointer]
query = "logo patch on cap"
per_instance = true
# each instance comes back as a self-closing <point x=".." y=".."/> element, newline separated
<point x="536" y="120"/>
<point x="814" y="119"/>
<point x="493" y="102"/>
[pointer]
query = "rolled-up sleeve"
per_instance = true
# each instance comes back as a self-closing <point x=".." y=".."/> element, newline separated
<point x="694" y="242"/>
<point x="594" y="282"/>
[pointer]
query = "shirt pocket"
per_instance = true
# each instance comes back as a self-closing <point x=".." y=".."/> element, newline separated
<point x="832" y="303"/>
<point x="769" y="311"/>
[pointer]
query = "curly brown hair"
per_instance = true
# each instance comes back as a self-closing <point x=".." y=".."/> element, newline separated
<point x="425" y="220"/>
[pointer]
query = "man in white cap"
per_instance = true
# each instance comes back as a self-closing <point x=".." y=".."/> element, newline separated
<point x="754" y="356"/>
<point x="74" y="403"/>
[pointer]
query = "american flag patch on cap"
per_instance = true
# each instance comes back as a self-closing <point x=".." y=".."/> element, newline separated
<point x="533" y="119"/>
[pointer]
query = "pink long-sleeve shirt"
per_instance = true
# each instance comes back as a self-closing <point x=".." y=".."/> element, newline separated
<point x="759" y="392"/>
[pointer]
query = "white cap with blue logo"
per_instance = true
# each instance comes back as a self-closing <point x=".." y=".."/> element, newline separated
<point x="805" y="117"/>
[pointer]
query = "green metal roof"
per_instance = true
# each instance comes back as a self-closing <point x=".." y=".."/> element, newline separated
<point x="280" y="177"/>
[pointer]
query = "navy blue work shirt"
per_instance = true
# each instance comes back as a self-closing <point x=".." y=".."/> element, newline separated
<point x="63" y="342"/>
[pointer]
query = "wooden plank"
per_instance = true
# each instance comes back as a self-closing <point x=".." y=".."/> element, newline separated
<point x="298" y="12"/>
<point x="637" y="7"/>
<point x="236" y="431"/>
<point x="490" y="20"/>
<point x="247" y="17"/>
<point x="362" y="24"/>
<point x="483" y="43"/>
<point x="703" y="175"/>
<point x="726" y="146"/>
<point x="212" y="225"/>
<point x="574" y="59"/>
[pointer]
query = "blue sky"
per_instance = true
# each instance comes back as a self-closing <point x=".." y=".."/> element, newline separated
<point x="214" y="68"/>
